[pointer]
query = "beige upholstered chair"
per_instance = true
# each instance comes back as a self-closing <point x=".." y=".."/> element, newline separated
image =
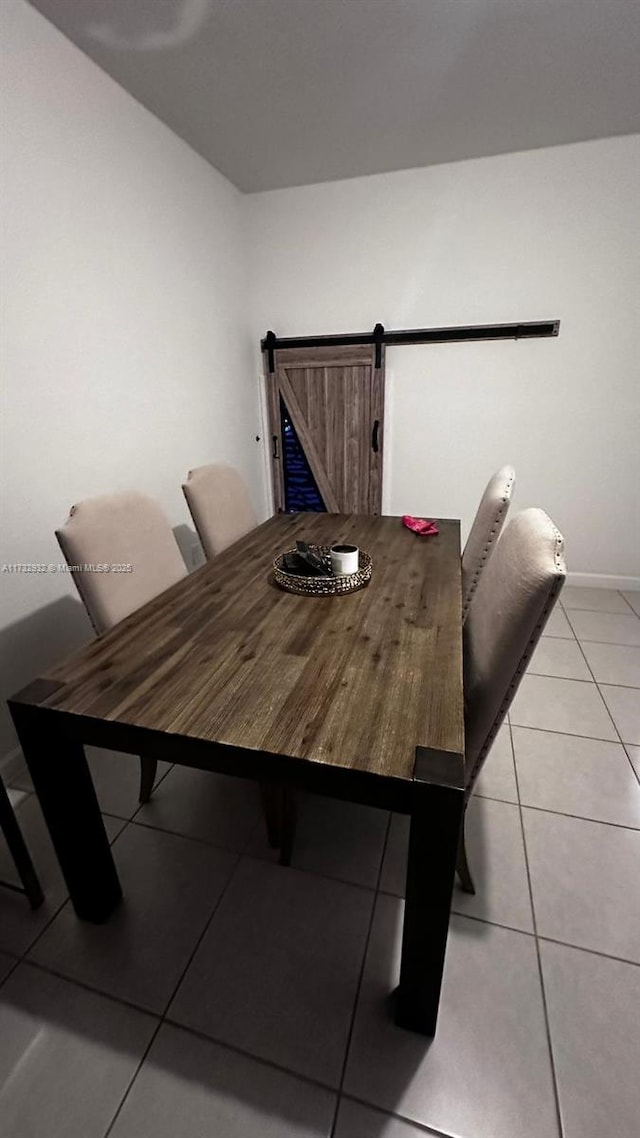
<point x="485" y="531"/>
<point x="219" y="504"/>
<point x="510" y="607"/>
<point x="123" y="528"/>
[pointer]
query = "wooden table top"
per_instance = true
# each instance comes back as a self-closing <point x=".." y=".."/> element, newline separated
<point x="226" y="656"/>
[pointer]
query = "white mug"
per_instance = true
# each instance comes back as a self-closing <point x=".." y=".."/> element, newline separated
<point x="344" y="560"/>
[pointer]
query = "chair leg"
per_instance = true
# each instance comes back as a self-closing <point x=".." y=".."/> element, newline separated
<point x="148" y="769"/>
<point x="288" y="830"/>
<point x="280" y="812"/>
<point x="272" y="809"/>
<point x="19" y="851"/>
<point x="462" y="865"/>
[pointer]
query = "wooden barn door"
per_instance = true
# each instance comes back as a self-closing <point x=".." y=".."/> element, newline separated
<point x="326" y="412"/>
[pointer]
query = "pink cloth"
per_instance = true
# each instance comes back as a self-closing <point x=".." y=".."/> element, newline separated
<point x="421" y="526"/>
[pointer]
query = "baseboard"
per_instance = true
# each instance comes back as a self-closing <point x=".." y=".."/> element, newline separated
<point x="604" y="581"/>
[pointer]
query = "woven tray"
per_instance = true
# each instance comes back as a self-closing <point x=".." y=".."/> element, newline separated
<point x="322" y="586"/>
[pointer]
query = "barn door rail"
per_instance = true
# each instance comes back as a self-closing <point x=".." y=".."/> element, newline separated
<point x="522" y="331"/>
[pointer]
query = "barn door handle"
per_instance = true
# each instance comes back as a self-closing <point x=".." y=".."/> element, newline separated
<point x="374" y="437"/>
<point x="275" y="453"/>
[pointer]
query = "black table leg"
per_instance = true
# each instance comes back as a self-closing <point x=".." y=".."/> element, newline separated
<point x="18" y="850"/>
<point x="438" y="801"/>
<point x="63" y="784"/>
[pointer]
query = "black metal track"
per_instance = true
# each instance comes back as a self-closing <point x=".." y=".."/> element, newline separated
<point x="522" y="331"/>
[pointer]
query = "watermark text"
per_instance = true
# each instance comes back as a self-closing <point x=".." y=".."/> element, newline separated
<point x="53" y="567"/>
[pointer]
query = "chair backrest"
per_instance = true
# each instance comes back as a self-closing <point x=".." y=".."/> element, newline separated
<point x="485" y="531"/>
<point x="220" y="507"/>
<point x="125" y="528"/>
<point x="509" y="610"/>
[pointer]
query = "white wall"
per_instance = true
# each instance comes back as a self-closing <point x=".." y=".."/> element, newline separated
<point x="529" y="236"/>
<point x="125" y="355"/>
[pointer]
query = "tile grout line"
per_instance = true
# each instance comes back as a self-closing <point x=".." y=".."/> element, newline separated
<point x="204" y="932"/>
<point x="467" y="916"/>
<point x="360" y="978"/>
<point x="317" y="873"/>
<point x="579" y="817"/>
<point x="554" y="1078"/>
<point x="628" y="602"/>
<point x="166" y="1020"/>
<point x="191" y="837"/>
<point x="581" y="679"/>
<point x="24" y="955"/>
<point x="635" y="773"/>
<point x="421" y="1126"/>
<point x="254" y="1058"/>
<point x="162" y="1018"/>
<point x="606" y="589"/>
<point x="589" y="639"/>
<point x="493" y="798"/>
<point x="245" y="852"/>
<point x="51" y="971"/>
<point x="569" y="734"/>
<point x="556" y="813"/>
<point x="527" y="932"/>
<point x="605" y="612"/>
<point x="622" y="687"/>
<point x="23" y="958"/>
<point x="133" y="1078"/>
<point x="625" y="687"/>
<point x="235" y="1049"/>
<point x="626" y="747"/>
<point x="591" y="951"/>
<point x="16" y="961"/>
<point x="485" y="921"/>
<point x="568" y="679"/>
<point x="269" y="1062"/>
<point x="66" y="901"/>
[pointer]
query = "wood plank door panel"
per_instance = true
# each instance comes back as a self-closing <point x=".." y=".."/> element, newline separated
<point x="333" y="400"/>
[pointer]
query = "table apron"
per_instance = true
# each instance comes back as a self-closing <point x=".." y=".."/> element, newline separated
<point x="363" y="787"/>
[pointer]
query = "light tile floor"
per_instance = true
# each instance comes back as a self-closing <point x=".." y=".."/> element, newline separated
<point x="232" y="998"/>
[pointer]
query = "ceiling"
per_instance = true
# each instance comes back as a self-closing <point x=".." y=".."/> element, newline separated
<point x="285" y="92"/>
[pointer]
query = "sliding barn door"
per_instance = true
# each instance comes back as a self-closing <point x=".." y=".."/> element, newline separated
<point x="326" y="409"/>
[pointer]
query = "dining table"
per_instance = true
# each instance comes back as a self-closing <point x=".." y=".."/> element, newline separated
<point x="357" y="697"/>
